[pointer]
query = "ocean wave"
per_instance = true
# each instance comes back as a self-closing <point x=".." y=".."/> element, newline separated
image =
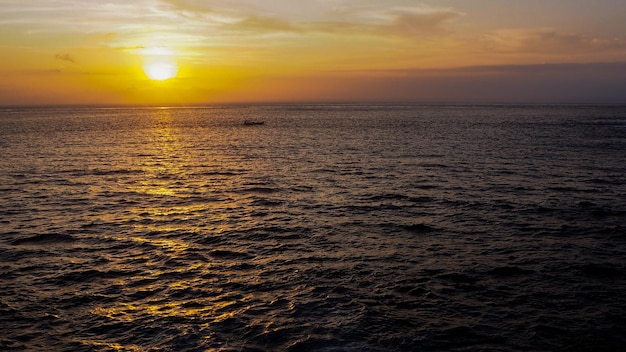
<point x="362" y="228"/>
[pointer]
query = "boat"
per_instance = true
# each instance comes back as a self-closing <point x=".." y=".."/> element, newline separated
<point x="253" y="123"/>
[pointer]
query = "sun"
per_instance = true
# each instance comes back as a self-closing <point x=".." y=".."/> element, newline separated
<point x="160" y="71"/>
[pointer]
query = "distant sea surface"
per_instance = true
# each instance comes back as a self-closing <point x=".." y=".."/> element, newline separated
<point x="327" y="228"/>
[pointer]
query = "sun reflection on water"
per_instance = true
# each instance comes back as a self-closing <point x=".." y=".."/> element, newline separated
<point x="173" y="259"/>
<point x="111" y="346"/>
<point x="206" y="309"/>
<point x="167" y="289"/>
<point x="164" y="244"/>
<point x="168" y="160"/>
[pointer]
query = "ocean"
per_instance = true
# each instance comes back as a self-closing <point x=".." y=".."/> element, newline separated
<point x="347" y="227"/>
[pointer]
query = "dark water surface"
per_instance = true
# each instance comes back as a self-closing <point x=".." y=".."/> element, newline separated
<point x="328" y="228"/>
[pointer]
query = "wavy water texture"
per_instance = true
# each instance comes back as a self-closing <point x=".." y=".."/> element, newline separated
<point x="327" y="228"/>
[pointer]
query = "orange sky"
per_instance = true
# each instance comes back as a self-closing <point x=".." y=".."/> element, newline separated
<point x="99" y="52"/>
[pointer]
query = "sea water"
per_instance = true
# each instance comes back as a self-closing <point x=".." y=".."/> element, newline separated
<point x="327" y="228"/>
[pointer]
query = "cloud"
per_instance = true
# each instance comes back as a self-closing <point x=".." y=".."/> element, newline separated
<point x="600" y="68"/>
<point x="548" y="40"/>
<point x="617" y="69"/>
<point x="107" y="37"/>
<point x="411" y="21"/>
<point x="566" y="82"/>
<point x="205" y="6"/>
<point x="556" y="83"/>
<point x="266" y="24"/>
<point x="261" y="19"/>
<point x="65" y="57"/>
<point x="404" y="22"/>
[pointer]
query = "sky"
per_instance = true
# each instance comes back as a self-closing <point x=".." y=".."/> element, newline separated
<point x="218" y="51"/>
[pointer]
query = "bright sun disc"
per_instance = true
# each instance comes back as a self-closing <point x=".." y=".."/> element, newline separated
<point x="160" y="71"/>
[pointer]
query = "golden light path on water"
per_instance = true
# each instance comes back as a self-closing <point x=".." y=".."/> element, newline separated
<point x="164" y="171"/>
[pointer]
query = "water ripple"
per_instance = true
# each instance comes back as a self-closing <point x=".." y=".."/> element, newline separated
<point x="329" y="228"/>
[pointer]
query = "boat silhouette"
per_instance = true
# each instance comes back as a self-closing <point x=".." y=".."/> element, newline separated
<point x="253" y="123"/>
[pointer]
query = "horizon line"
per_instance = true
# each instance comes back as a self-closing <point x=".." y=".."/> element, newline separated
<point x="294" y="103"/>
